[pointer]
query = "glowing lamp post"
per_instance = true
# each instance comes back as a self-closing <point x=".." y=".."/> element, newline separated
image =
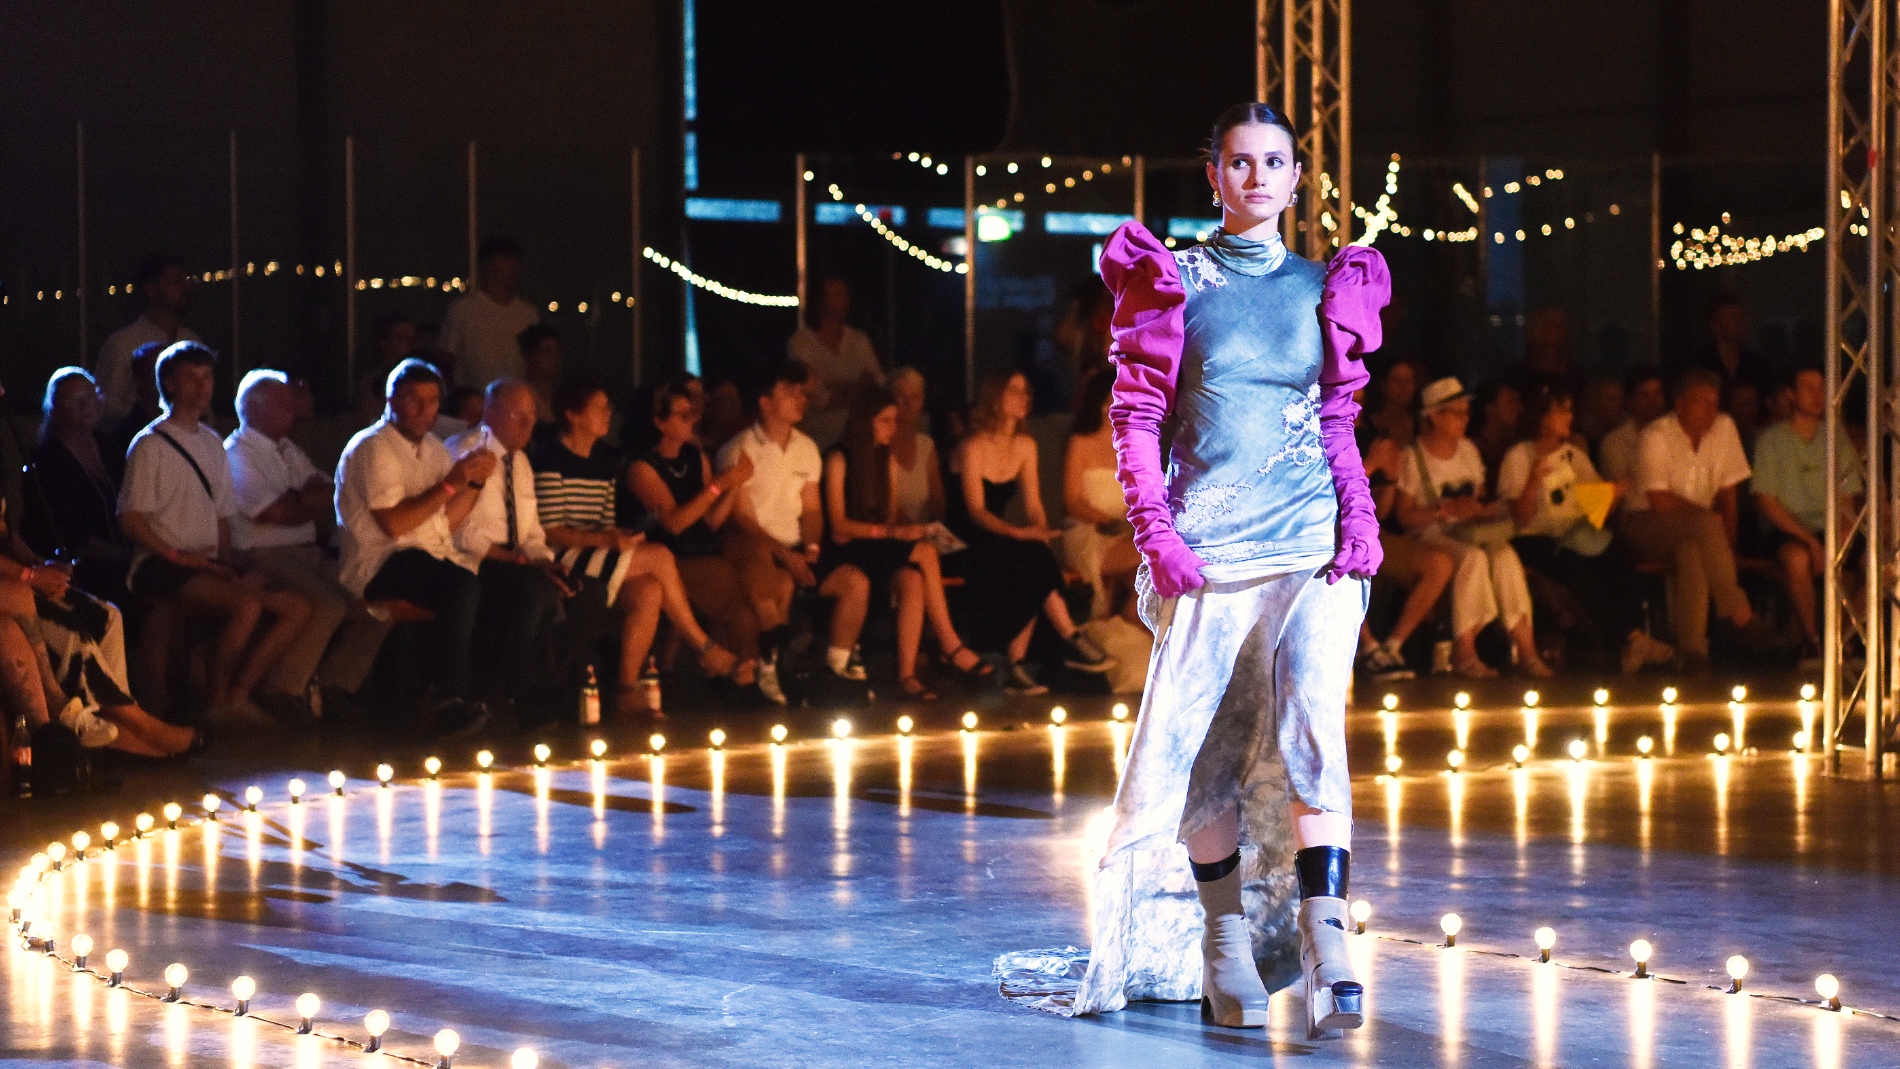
<point x="82" y="949"/>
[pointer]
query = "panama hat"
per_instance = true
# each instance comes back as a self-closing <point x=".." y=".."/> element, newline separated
<point x="1441" y="393"/>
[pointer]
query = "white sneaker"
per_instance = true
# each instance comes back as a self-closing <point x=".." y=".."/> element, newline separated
<point x="854" y="668"/>
<point x="93" y="731"/>
<point x="768" y="682"/>
<point x="1017" y="680"/>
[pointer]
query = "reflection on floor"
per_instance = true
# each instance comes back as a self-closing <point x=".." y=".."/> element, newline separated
<point x="838" y="901"/>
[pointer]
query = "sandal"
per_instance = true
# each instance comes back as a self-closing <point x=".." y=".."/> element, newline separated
<point x="982" y="669"/>
<point x="716" y="660"/>
<point x="913" y="688"/>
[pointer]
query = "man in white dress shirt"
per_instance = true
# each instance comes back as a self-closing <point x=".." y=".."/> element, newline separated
<point x="483" y="327"/>
<point x="280" y="497"/>
<point x="162" y="284"/>
<point x="399" y="499"/>
<point x="503" y="544"/>
<point x="1683" y="515"/>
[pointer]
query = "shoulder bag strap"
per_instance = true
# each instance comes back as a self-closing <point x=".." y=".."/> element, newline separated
<point x="191" y="460"/>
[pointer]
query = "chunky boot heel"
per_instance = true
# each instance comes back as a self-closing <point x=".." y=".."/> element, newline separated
<point x="1335" y="999"/>
<point x="1232" y="994"/>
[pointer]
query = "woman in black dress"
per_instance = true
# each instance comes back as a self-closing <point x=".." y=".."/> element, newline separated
<point x="867" y="545"/>
<point x="72" y="488"/>
<point x="1010" y="571"/>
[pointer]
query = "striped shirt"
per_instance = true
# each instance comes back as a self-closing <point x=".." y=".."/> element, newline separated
<point x="578" y="492"/>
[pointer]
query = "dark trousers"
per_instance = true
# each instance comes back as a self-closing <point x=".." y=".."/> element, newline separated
<point x="518" y="602"/>
<point x="446" y="589"/>
<point x="1604" y="585"/>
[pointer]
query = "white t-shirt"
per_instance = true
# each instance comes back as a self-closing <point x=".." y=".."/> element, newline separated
<point x="114" y="369"/>
<point x="381" y="469"/>
<point x="1667" y="461"/>
<point x="1461" y="474"/>
<point x="160" y="485"/>
<point x="264" y="471"/>
<point x="1557" y="508"/>
<point x="487" y="523"/>
<point x="485" y="336"/>
<point x="779" y="478"/>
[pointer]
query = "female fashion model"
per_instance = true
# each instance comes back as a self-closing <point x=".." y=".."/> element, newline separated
<point x="1257" y="535"/>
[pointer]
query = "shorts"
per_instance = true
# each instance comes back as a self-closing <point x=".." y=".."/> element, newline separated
<point x="157" y="579"/>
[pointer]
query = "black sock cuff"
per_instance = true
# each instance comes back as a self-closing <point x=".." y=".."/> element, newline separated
<point x="1323" y="871"/>
<point x="1214" y="870"/>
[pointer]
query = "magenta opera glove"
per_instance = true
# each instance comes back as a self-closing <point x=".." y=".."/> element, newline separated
<point x="1357" y="287"/>
<point x="1172" y="566"/>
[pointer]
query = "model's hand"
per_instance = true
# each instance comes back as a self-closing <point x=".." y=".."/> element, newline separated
<point x="1172" y="566"/>
<point x="1360" y="555"/>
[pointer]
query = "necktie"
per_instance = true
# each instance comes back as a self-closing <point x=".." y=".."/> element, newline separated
<point x="508" y="497"/>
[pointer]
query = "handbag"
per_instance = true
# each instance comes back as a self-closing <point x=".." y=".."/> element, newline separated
<point x="1486" y="533"/>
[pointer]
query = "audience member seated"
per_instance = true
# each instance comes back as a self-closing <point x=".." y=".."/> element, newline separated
<point x="145" y="406"/>
<point x="541" y="362"/>
<point x="919" y="473"/>
<point x="1546" y="353"/>
<point x="720" y="415"/>
<point x="1790" y="487"/>
<point x="1420" y="570"/>
<point x="1500" y="425"/>
<point x="1442" y="502"/>
<point x="1684" y="515"/>
<point x="870" y="558"/>
<point x="1098" y="542"/>
<point x="281" y="499"/>
<point x="671" y="481"/>
<point x="1599" y="410"/>
<point x="399" y="499"/>
<point x="1727" y="354"/>
<point x="1645" y="401"/>
<point x="176" y="507"/>
<point x="839" y="357"/>
<point x="72" y="488"/>
<point x="1009" y="570"/>
<point x="1392" y="418"/>
<point x="162" y="286"/>
<point x="1539" y="479"/>
<point x="575" y="479"/>
<point x="483" y="327"/>
<point x="772" y="535"/>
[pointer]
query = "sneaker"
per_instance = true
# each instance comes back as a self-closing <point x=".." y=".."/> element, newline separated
<point x="1017" y="680"/>
<point x="1384" y="664"/>
<point x="768" y="682"/>
<point x="1084" y="655"/>
<point x="93" y="731"/>
<point x="854" y="668"/>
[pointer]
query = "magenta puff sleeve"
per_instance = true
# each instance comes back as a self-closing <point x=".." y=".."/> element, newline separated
<point x="1357" y="287"/>
<point x="1146" y="353"/>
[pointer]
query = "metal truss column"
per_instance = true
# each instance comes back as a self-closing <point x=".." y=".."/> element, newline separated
<point x="1307" y="57"/>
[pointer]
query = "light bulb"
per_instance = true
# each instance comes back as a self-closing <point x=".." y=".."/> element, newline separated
<point x="905" y="724"/>
<point x="541" y="753"/>
<point x="1601" y="697"/>
<point x="212" y="804"/>
<point x="1058" y="715"/>
<point x="1120" y="711"/>
<point x="175" y="976"/>
<point x="56" y="852"/>
<point x="1531" y="698"/>
<point x="1644" y="745"/>
<point x="243" y="988"/>
<point x="81" y="840"/>
<point x="296" y="788"/>
<point x="252" y="796"/>
<point x="779" y="732"/>
<point x="1456" y="759"/>
<point x="840" y="728"/>
<point x="375" y="1022"/>
<point x="1800" y="740"/>
<point x="109" y="832"/>
<point x="484" y="760"/>
<point x="1826" y="986"/>
<point x="1390" y="701"/>
<point x="116" y="961"/>
<point x="1462" y="699"/>
<point x="432" y="766"/>
<point x="1737" y="967"/>
<point x="1721" y="742"/>
<point x="1669" y="695"/>
<point x="524" y="1058"/>
<point x="1807" y="692"/>
<point x="1738" y="693"/>
<point x="1577" y="749"/>
<point x="656" y="742"/>
<point x="1393" y="763"/>
<point x="1520" y="753"/>
<point x="384" y="773"/>
<point x="1546" y="937"/>
<point x="337" y="780"/>
<point x="82" y="949"/>
<point x="1451" y="924"/>
<point x="1361" y="911"/>
<point x="447" y="1042"/>
<point x="969" y="721"/>
<point x="172" y="812"/>
<point x="307" y="1005"/>
<point x="598" y="748"/>
<point x="1641" y="950"/>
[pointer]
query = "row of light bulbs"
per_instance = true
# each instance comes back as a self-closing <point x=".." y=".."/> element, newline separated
<point x="1087" y="174"/>
<point x="897" y="240"/>
<point x="1705" y="248"/>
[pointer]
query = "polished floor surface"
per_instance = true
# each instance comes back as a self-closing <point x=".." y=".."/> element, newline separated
<point x="841" y="902"/>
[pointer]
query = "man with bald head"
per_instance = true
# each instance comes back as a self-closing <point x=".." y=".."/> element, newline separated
<point x="503" y="544"/>
<point x="281" y="498"/>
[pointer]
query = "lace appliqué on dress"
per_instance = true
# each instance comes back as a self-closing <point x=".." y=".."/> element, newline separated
<point x="1302" y="434"/>
<point x="1199" y="269"/>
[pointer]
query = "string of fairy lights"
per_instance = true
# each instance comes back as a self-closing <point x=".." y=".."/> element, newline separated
<point x="902" y="244"/>
<point x="28" y="905"/>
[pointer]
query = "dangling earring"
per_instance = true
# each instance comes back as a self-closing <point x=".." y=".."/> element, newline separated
<point x="1296" y="198"/>
<point x="1217" y="198"/>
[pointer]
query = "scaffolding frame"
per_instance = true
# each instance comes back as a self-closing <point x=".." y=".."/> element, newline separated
<point x="1863" y="318"/>
<point x="1303" y="51"/>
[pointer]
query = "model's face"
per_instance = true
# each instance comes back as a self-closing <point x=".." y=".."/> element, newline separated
<point x="1696" y="408"/>
<point x="76" y="406"/>
<point x="1648" y="401"/>
<point x="1810" y="394"/>
<point x="884" y="425"/>
<point x="189" y="387"/>
<point x="413" y="407"/>
<point x="510" y="418"/>
<point x="1016" y="398"/>
<point x="1255" y="174"/>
